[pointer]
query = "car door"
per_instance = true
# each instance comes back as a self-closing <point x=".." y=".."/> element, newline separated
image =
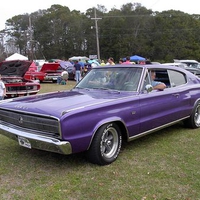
<point x="159" y="108"/>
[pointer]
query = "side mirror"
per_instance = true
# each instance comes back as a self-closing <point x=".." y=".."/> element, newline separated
<point x="148" y="88"/>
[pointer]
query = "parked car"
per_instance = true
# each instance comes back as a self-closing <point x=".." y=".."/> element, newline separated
<point x="189" y="63"/>
<point x="69" y="67"/>
<point x="109" y="105"/>
<point x="50" y="72"/>
<point x="12" y="73"/>
<point x="183" y="65"/>
<point x="34" y="73"/>
<point x="71" y="72"/>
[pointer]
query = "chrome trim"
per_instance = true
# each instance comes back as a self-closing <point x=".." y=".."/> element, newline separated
<point x="101" y="123"/>
<point x="98" y="103"/>
<point x="154" y="130"/>
<point x="25" y="111"/>
<point x="22" y="92"/>
<point x="31" y="113"/>
<point x="38" y="141"/>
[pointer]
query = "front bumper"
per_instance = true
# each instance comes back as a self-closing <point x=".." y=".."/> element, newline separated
<point x="51" y="78"/>
<point x="37" y="141"/>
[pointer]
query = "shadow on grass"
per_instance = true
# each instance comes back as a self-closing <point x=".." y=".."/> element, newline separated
<point x="53" y="159"/>
<point x="163" y="134"/>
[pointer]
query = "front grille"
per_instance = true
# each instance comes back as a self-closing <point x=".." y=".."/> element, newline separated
<point x="47" y="126"/>
<point x="20" y="88"/>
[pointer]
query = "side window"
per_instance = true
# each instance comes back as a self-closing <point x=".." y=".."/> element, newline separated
<point x="176" y="78"/>
<point x="147" y="81"/>
<point x="162" y="76"/>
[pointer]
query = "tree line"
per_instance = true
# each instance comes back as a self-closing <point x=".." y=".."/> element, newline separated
<point x="58" y="32"/>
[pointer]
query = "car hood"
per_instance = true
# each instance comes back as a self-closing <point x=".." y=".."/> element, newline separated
<point x="50" y="67"/>
<point x="58" y="103"/>
<point x="14" y="68"/>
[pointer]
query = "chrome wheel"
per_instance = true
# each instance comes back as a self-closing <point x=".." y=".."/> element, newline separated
<point x="106" y="145"/>
<point x="194" y="120"/>
<point x="109" y="143"/>
<point x="197" y="116"/>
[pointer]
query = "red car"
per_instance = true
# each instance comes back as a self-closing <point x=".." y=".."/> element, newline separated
<point x="12" y="73"/>
<point x="52" y="71"/>
<point x="34" y="74"/>
<point x="48" y="72"/>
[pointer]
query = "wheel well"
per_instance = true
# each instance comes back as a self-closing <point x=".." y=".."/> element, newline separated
<point x="121" y="127"/>
<point x="123" y="130"/>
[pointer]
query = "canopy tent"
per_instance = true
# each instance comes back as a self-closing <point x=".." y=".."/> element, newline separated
<point x="81" y="58"/>
<point x="137" y="58"/>
<point x="16" y="56"/>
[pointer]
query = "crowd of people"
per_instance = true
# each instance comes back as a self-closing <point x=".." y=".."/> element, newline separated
<point x="82" y="68"/>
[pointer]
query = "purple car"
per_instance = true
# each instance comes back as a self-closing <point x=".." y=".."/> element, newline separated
<point x="109" y="105"/>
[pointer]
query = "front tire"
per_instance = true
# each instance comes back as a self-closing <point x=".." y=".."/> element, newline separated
<point x="106" y="145"/>
<point x="194" y="120"/>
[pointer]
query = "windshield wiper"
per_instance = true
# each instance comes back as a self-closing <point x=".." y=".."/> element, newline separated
<point x="101" y="88"/>
<point x="82" y="88"/>
<point x="108" y="89"/>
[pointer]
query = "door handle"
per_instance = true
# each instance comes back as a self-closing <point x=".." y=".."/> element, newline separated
<point x="176" y="95"/>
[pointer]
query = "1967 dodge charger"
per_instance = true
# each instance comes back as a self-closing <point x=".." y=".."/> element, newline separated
<point x="109" y="105"/>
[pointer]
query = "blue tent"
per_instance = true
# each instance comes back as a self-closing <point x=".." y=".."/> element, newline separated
<point x="137" y="58"/>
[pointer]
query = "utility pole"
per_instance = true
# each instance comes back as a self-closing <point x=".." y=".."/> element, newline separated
<point x="97" y="32"/>
<point x="31" y="39"/>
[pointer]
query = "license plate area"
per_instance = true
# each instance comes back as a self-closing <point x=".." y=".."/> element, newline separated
<point x="24" y="142"/>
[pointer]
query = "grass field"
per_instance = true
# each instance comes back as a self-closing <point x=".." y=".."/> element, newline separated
<point x="160" y="166"/>
<point x="49" y="87"/>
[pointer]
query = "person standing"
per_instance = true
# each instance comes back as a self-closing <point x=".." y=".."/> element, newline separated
<point x="121" y="61"/>
<point x="102" y="63"/>
<point x="128" y="61"/>
<point x="78" y="70"/>
<point x="110" y="61"/>
<point x="82" y="67"/>
<point x="2" y="89"/>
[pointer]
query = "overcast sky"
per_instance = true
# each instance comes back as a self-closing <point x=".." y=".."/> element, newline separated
<point x="10" y="8"/>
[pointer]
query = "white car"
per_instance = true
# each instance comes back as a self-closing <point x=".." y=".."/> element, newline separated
<point x="176" y="64"/>
<point x="183" y="65"/>
<point x="189" y="63"/>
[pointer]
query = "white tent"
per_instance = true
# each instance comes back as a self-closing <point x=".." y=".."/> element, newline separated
<point x="17" y="56"/>
<point x="82" y="58"/>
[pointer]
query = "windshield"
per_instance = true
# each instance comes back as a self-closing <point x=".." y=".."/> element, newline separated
<point x="121" y="79"/>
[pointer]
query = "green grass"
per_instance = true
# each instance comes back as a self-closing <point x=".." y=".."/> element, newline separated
<point x="160" y="166"/>
<point x="49" y="87"/>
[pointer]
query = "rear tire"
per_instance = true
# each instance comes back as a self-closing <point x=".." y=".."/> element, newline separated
<point x="106" y="145"/>
<point x="194" y="120"/>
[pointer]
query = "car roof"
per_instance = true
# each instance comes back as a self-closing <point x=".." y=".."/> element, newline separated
<point x="148" y="66"/>
<point x="176" y="64"/>
<point x="187" y="61"/>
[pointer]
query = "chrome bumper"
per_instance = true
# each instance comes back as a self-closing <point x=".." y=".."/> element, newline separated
<point x="37" y="141"/>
